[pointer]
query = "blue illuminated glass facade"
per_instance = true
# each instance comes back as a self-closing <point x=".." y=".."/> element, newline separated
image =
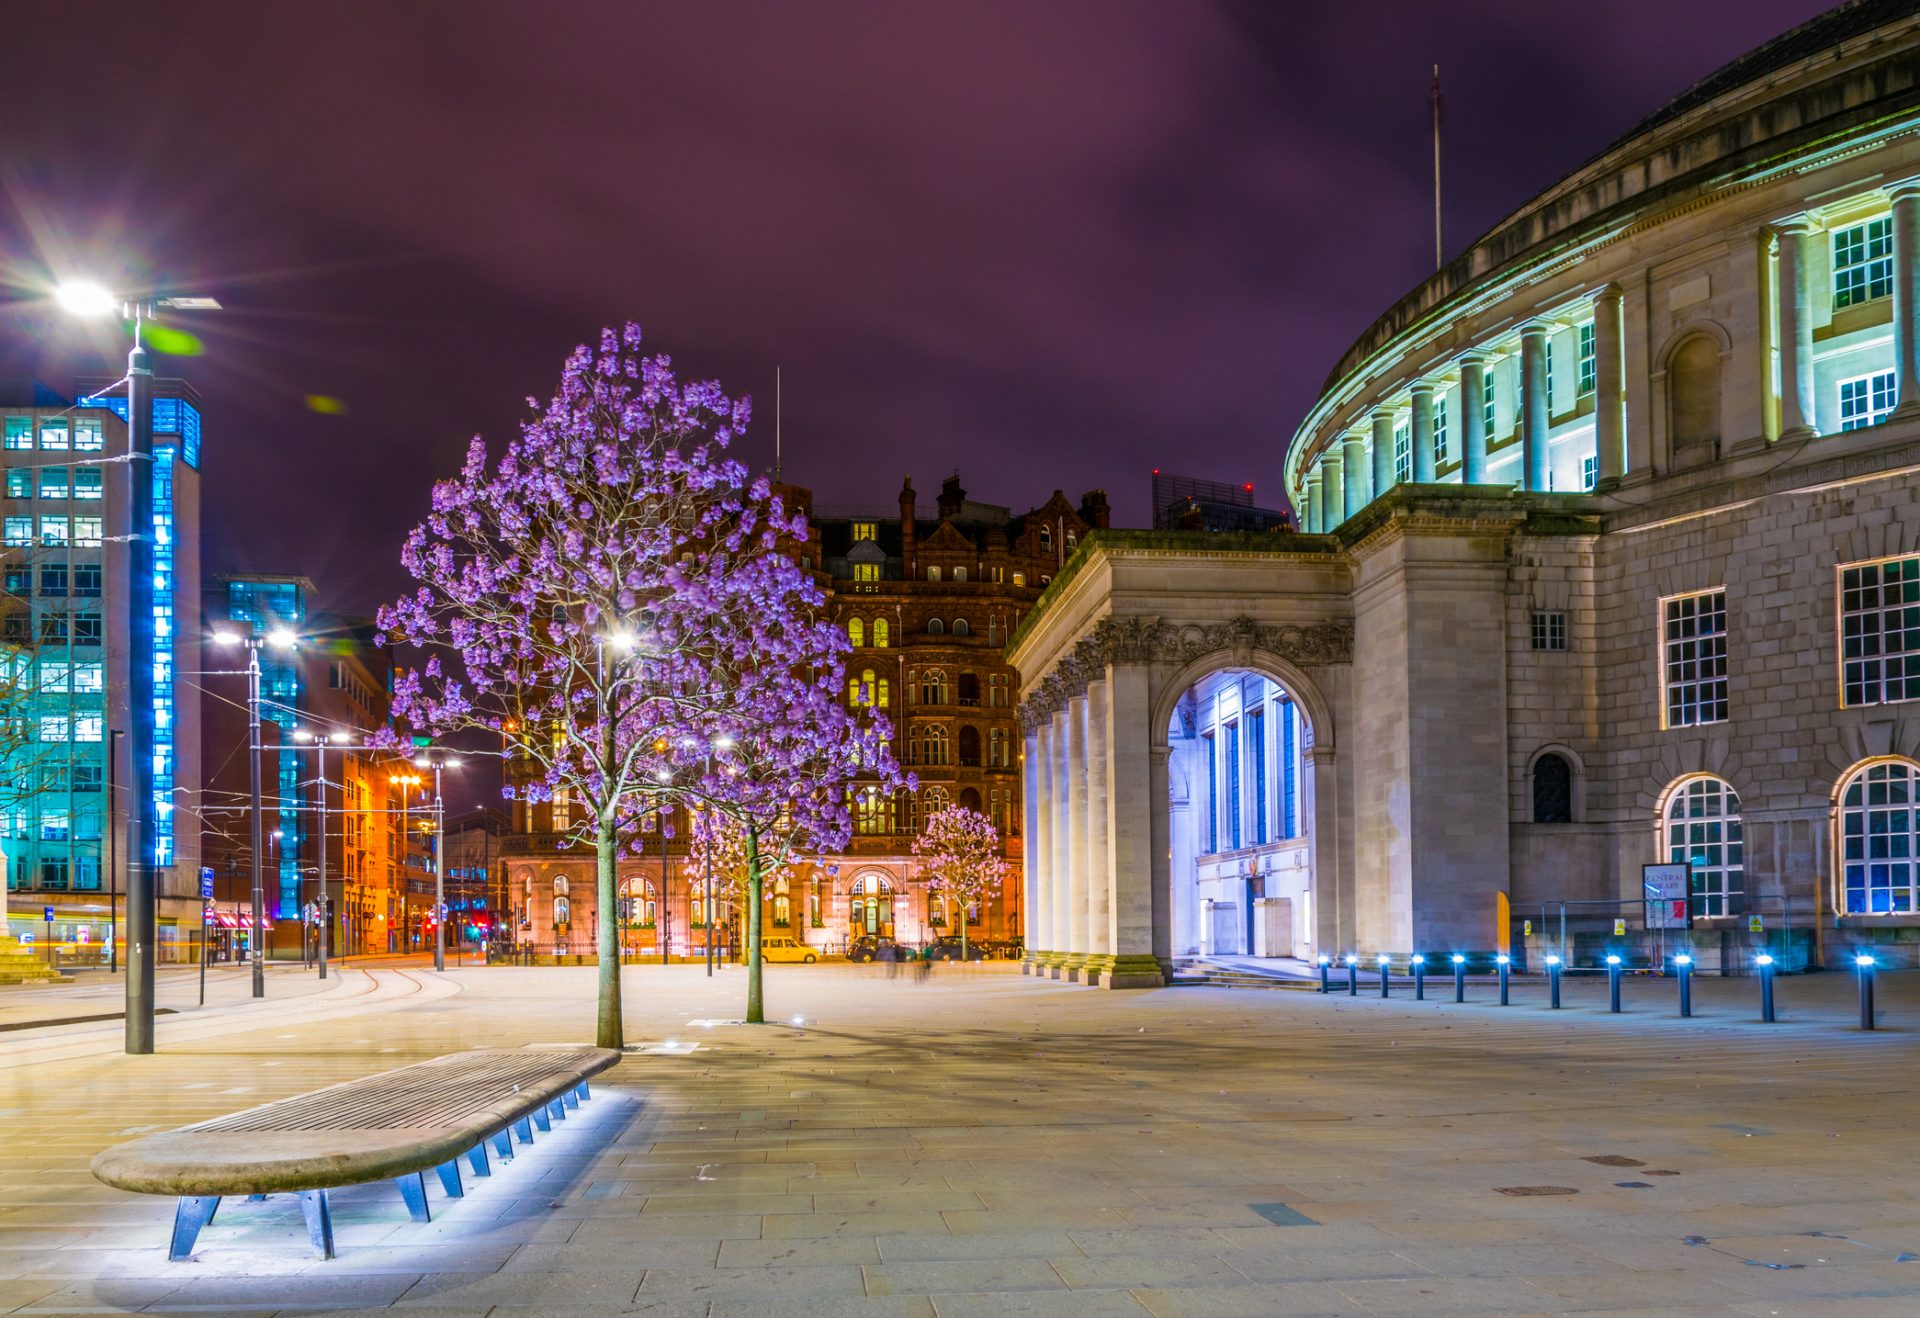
<point x="264" y="605"/>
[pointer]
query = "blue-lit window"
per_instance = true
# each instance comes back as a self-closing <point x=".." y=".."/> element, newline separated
<point x="87" y="483"/>
<point x="1880" y="838"/>
<point x="1867" y="400"/>
<point x="1257" y="745"/>
<point x="1704" y="831"/>
<point x="55" y="435"/>
<point x="1440" y="428"/>
<point x="1489" y="404"/>
<point x="54" y="483"/>
<point x="88" y="436"/>
<point x="1289" y="771"/>
<point x="19" y="432"/>
<point x="1213" y="794"/>
<point x="1589" y="471"/>
<point x="1402" y="452"/>
<point x="53" y="530"/>
<point x="19" y="532"/>
<point x="87" y="532"/>
<point x="1233" y="785"/>
<point x="1880" y="632"/>
<point x="1589" y="358"/>
<point x="19" y="482"/>
<point x="1862" y="262"/>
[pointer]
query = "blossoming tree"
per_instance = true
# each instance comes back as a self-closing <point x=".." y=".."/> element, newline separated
<point x="961" y="851"/>
<point x="601" y="596"/>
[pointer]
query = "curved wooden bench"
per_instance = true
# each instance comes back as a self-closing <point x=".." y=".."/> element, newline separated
<point x="396" y="1126"/>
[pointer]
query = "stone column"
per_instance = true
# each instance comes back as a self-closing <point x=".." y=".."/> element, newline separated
<point x="1353" y="448"/>
<point x="1423" y="433"/>
<point x="1137" y="841"/>
<point x="1796" y="332"/>
<point x="1609" y="384"/>
<point x="1333" y="486"/>
<point x="1057" y="882"/>
<point x="1534" y="407"/>
<point x="1473" y="419"/>
<point x="1382" y="451"/>
<point x="1316" y="503"/>
<point x="1099" y="833"/>
<point x="1076" y="866"/>
<point x="1906" y="292"/>
<point x="1034" y="849"/>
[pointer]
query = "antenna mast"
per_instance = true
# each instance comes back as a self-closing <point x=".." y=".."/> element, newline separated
<point x="1437" y="261"/>
<point x="776" y="423"/>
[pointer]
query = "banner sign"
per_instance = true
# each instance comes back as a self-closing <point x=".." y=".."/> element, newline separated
<point x="1667" y="888"/>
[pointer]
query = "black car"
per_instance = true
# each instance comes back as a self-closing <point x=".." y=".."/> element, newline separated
<point x="947" y="948"/>
<point x="873" y="947"/>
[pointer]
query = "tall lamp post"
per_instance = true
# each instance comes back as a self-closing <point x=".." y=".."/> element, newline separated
<point x="320" y="741"/>
<point x="113" y="867"/>
<point x="437" y="763"/>
<point x="89" y="299"/>
<point x="406" y="782"/>
<point x="281" y="639"/>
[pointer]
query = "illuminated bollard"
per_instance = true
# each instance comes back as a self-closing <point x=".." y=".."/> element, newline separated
<point x="1863" y="967"/>
<point x="1765" y="962"/>
<point x="1613" y="983"/>
<point x="1505" y="963"/>
<point x="1353" y="975"/>
<point x="1459" y="978"/>
<point x="1386" y="968"/>
<point x="1553" y="981"/>
<point x="1325" y="961"/>
<point x="1683" y="966"/>
<point x="1419" y="978"/>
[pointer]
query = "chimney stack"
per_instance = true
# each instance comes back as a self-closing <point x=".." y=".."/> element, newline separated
<point x="906" y="529"/>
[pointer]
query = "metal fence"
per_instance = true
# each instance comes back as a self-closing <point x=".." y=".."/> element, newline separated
<point x="1584" y="934"/>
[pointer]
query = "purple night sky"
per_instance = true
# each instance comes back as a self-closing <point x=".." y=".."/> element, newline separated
<point x="1053" y="244"/>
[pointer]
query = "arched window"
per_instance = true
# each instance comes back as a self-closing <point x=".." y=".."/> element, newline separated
<point x="560" y="886"/>
<point x="782" y="912"/>
<point x="993" y="629"/>
<point x="1703" y="829"/>
<point x="1880" y="838"/>
<point x="1552" y="789"/>
<point x="883" y="696"/>
<point x="933" y="573"/>
<point x="862" y="690"/>
<point x="997" y="749"/>
<point x="1073" y="539"/>
<point x="562" y="912"/>
<point x="959" y="574"/>
<point x="526" y="887"/>
<point x="934" y="745"/>
<point x="1046" y="539"/>
<point x="933" y="686"/>
<point x="856" y="632"/>
<point x="1693" y="398"/>
<point x="970" y="747"/>
<point x="970" y="799"/>
<point x="936" y="627"/>
<point x="933" y="801"/>
<point x="961" y="627"/>
<point x="969" y="688"/>
<point x="880" y="634"/>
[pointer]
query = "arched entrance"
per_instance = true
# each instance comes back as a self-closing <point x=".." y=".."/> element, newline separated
<point x="1240" y="856"/>
<point x="871" y="907"/>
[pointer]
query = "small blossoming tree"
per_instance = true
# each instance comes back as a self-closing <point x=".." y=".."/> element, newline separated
<point x="961" y="851"/>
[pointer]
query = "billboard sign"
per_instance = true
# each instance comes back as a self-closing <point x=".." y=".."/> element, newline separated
<point x="1667" y="887"/>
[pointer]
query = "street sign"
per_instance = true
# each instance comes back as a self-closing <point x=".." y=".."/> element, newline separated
<point x="1666" y="888"/>
<point x="1754" y="925"/>
<point x="423" y="743"/>
<point x="48" y="915"/>
<point x="1619" y="928"/>
<point x="1526" y="928"/>
<point x="206" y="883"/>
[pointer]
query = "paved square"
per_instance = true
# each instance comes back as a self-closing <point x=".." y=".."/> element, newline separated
<point x="989" y="1144"/>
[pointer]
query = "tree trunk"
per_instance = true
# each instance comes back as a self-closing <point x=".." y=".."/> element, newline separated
<point x="611" y="1031"/>
<point x="962" y="917"/>
<point x="756" y="1008"/>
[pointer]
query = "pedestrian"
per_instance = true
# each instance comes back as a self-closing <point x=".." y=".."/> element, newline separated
<point x="923" y="966"/>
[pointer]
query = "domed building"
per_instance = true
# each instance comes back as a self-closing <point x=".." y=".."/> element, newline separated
<point x="1610" y="560"/>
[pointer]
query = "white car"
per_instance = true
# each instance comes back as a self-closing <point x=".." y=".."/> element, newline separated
<point x="786" y="949"/>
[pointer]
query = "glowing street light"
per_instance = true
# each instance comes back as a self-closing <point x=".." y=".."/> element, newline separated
<point x="281" y="639"/>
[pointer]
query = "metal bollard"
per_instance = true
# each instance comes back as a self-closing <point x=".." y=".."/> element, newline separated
<point x="1386" y="968"/>
<point x="1553" y="981"/>
<point x="1419" y="978"/>
<point x="1613" y="983"/>
<point x="1353" y="975"/>
<point x="1325" y="961"/>
<point x="1863" y="967"/>
<point x="1505" y="962"/>
<point x="1459" y="978"/>
<point x="1765" y="962"/>
<point x="1683" y="966"/>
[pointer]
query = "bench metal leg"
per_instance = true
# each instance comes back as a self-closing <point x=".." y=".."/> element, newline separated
<point x="256" y="1198"/>
<point x="557" y="1110"/>
<point x="542" y="1119"/>
<point x="477" y="1159"/>
<point x="584" y="1092"/>
<point x="189" y="1215"/>
<point x="524" y="1129"/>
<point x="450" y="1178"/>
<point x="503" y="1145"/>
<point x="571" y="1098"/>
<point x="319" y="1220"/>
<point x="413" y="1189"/>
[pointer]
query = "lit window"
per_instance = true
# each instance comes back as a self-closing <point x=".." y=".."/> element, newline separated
<point x="86" y="483"/>
<point x="89" y="677"/>
<point x="1695" y="650"/>
<point x="86" y="532"/>
<point x="19" y="531"/>
<point x="1862" y="262"/>
<point x="1019" y="578"/>
<point x="1880" y="838"/>
<point x="20" y="432"/>
<point x="1257" y="748"/>
<point x="1549" y="631"/>
<point x="19" y="482"/>
<point x="866" y="572"/>
<point x="54" y="727"/>
<point x="933" y="573"/>
<point x="54" y="435"/>
<point x="880" y="634"/>
<point x="88" y="727"/>
<point x="1402" y="452"/>
<point x="1880" y="632"/>
<point x="55" y="675"/>
<point x="1440" y="429"/>
<point x="1589" y="358"/>
<point x="864" y="531"/>
<point x="856" y="632"/>
<point x="53" y="530"/>
<point x="87" y="436"/>
<point x="1589" y="471"/>
<point x="959" y="574"/>
<point x="53" y="482"/>
<point x="1703" y="830"/>
<point x="1489" y="407"/>
<point x="1213" y="793"/>
<point x="1867" y="400"/>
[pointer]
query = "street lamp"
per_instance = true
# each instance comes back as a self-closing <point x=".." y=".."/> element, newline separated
<point x="405" y="782"/>
<point x="281" y="639"/>
<point x="429" y="760"/>
<point x="82" y="298"/>
<point x="320" y="741"/>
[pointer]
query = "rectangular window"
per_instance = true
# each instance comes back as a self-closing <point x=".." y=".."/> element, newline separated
<point x="1589" y="471"/>
<point x="1546" y="354"/>
<point x="1549" y="630"/>
<point x="1439" y="429"/>
<point x="53" y="530"/>
<point x="863" y="531"/>
<point x="54" y="727"/>
<point x="56" y="675"/>
<point x="86" y="532"/>
<point x="1589" y="358"/>
<point x="1880" y="632"/>
<point x="1289" y="772"/>
<point x="53" y="580"/>
<point x="53" y="482"/>
<point x="1233" y="785"/>
<point x="53" y="872"/>
<point x="86" y="629"/>
<point x="1866" y="400"/>
<point x="87" y="483"/>
<point x="1862" y="262"/>
<point x="1695" y="658"/>
<point x="19" y="532"/>
<point x="87" y="777"/>
<point x="1257" y="747"/>
<point x="866" y="572"/>
<point x="86" y="580"/>
<point x="53" y="435"/>
<point x="1403" y="452"/>
<point x="19" y="432"/>
<point x="89" y="727"/>
<point x="53" y="628"/>
<point x="87" y="436"/>
<point x="1213" y="796"/>
<point x="90" y="678"/>
<point x="19" y="482"/>
<point x="19" y="581"/>
<point x="1489" y="404"/>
